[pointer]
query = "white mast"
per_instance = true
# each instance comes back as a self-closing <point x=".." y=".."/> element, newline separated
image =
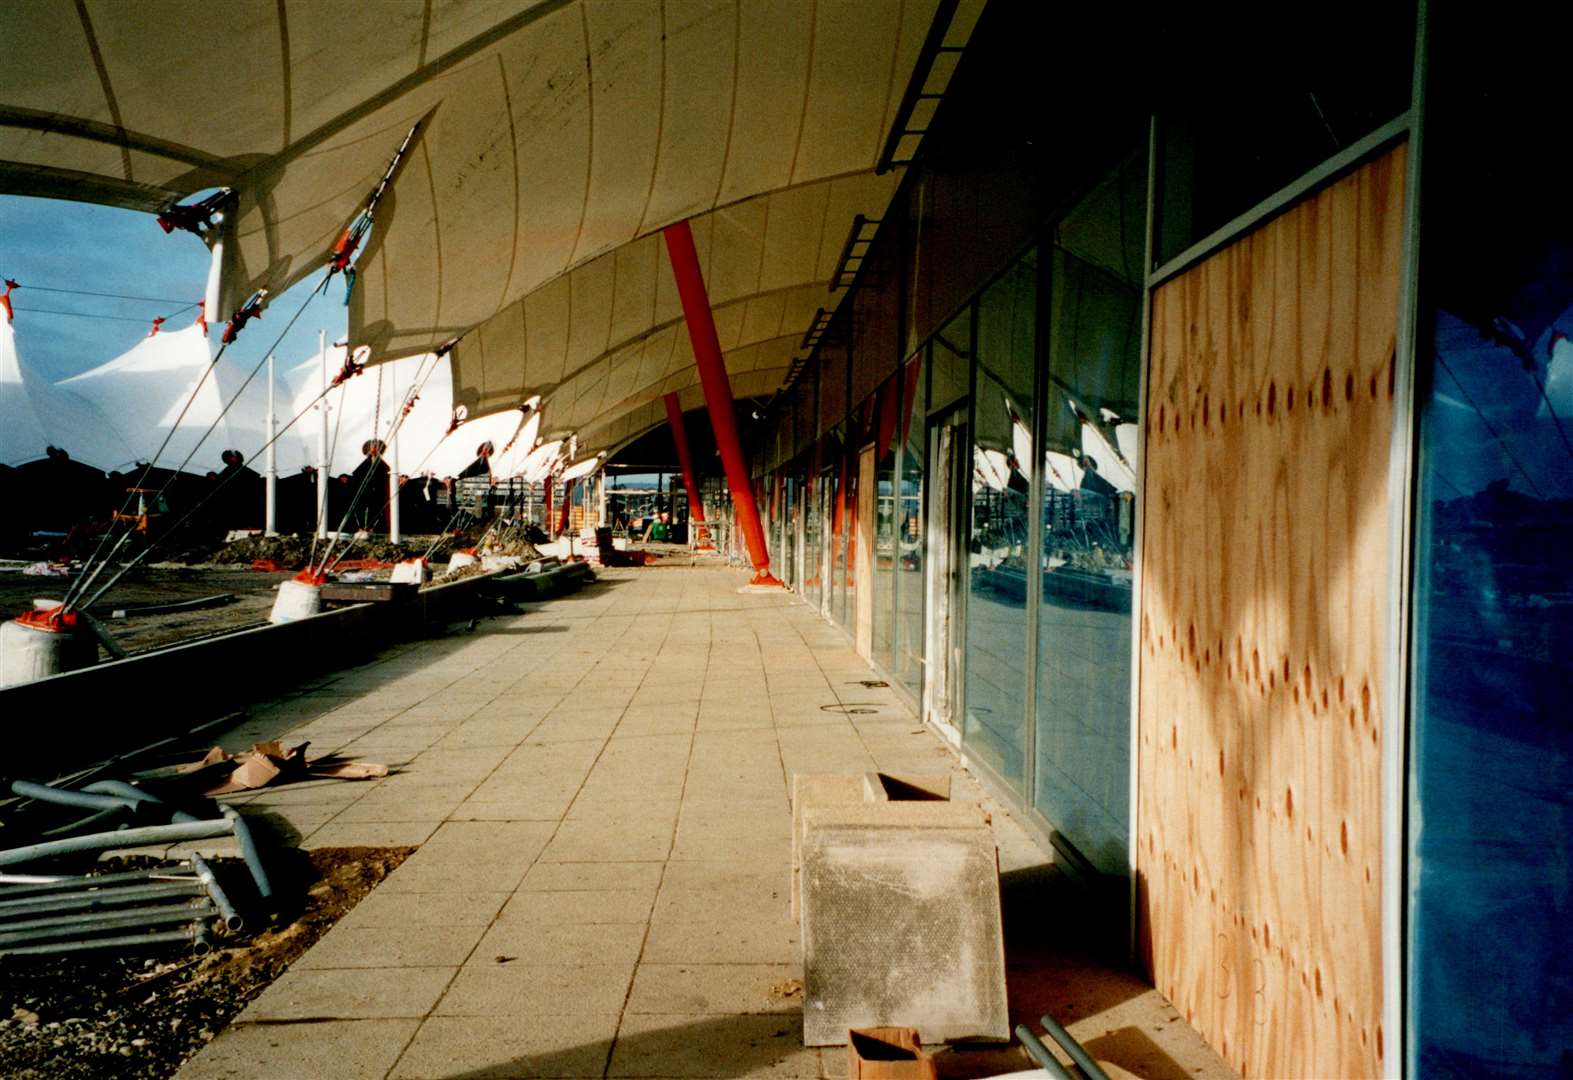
<point x="322" y="439"/>
<point x="270" y="520"/>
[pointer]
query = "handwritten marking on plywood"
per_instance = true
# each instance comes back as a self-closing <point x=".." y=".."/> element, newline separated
<point x="1269" y="418"/>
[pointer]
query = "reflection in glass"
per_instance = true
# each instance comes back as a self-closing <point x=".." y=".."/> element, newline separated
<point x="908" y="667"/>
<point x="996" y="681"/>
<point x="813" y="541"/>
<point x="1491" y="786"/>
<point x="884" y="539"/>
<point x="1082" y="741"/>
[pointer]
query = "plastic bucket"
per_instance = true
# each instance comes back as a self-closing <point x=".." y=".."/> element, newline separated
<point x="296" y="600"/>
<point x="411" y="572"/>
<point x="29" y="653"/>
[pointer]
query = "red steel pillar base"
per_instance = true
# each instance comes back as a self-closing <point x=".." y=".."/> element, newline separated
<point x="717" y="389"/>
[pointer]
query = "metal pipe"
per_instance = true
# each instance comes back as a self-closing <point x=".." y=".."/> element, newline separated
<point x="196" y="933"/>
<point x="1078" y="1054"/>
<point x="61" y="797"/>
<point x="1041" y="1054"/>
<point x="209" y="880"/>
<point x="65" y="925"/>
<point x="148" y="834"/>
<point x="97" y="898"/>
<point x="123" y="789"/>
<point x="23" y="884"/>
<point x="249" y="852"/>
<point x="85" y="824"/>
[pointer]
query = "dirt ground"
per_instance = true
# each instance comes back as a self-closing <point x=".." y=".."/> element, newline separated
<point x="143" y="1014"/>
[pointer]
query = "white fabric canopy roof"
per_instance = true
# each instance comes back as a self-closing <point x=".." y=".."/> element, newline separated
<point x="35" y="414"/>
<point x="143" y="391"/>
<point x="558" y="137"/>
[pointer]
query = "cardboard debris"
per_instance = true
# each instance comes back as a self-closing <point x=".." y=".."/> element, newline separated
<point x="268" y="762"/>
<point x="888" y="1053"/>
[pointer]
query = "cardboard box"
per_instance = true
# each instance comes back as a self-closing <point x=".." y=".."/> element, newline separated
<point x="887" y="1053"/>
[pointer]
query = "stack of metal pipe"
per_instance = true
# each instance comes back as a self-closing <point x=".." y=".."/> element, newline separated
<point x="174" y="903"/>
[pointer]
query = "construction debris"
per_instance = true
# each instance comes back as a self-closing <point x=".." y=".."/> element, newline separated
<point x="223" y="773"/>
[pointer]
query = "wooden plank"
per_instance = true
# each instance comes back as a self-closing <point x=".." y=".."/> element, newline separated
<point x="1262" y="633"/>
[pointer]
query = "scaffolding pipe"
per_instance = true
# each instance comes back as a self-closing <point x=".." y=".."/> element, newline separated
<point x="196" y="934"/>
<point x="58" y="926"/>
<point x="249" y="852"/>
<point x="62" y="797"/>
<point x="718" y="391"/>
<point x="14" y="885"/>
<point x="97" y="898"/>
<point x="123" y="789"/>
<point x="1041" y="1054"/>
<point x="209" y="880"/>
<point x="1089" y="1068"/>
<point x="147" y="834"/>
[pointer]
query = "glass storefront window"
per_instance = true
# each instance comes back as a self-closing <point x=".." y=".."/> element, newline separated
<point x="909" y="583"/>
<point x="1082" y="740"/>
<point x="884" y="538"/>
<point x="813" y="541"/>
<point x="998" y="536"/>
<point x="1491" y="751"/>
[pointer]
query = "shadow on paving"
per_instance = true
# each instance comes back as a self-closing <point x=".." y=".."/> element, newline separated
<point x="1064" y="956"/>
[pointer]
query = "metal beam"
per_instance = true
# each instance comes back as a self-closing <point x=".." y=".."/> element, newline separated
<point x="718" y="392"/>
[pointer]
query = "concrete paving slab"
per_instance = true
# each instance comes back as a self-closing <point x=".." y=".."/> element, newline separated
<point x="414" y="911"/>
<point x="390" y="947"/>
<point x="350" y="994"/>
<point x="715" y="988"/>
<point x="485" y="987"/>
<point x="711" y="1045"/>
<point x="343" y="1049"/>
<point x="493" y="1048"/>
<point x="573" y="877"/>
<point x="609" y="944"/>
<point x="576" y="907"/>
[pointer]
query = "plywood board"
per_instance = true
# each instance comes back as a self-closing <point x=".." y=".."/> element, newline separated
<point x="1268" y="424"/>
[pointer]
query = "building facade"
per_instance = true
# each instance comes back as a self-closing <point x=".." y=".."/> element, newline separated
<point x="1194" y="451"/>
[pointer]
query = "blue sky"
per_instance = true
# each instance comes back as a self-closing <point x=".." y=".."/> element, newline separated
<point x="48" y="243"/>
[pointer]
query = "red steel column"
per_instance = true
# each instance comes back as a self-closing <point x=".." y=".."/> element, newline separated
<point x="696" y="507"/>
<point x="718" y="392"/>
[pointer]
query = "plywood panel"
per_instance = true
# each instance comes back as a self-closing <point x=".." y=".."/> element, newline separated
<point x="1262" y="634"/>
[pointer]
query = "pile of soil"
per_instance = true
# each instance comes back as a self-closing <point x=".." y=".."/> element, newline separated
<point x="291" y="552"/>
<point x="143" y="1014"/>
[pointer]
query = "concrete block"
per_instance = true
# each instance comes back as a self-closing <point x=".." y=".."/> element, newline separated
<point x="901" y="922"/>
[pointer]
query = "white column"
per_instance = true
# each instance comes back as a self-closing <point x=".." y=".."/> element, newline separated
<point x="394" y="534"/>
<point x="270" y="511"/>
<point x="322" y="438"/>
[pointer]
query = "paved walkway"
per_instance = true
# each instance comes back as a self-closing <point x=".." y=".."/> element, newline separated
<point x="599" y="789"/>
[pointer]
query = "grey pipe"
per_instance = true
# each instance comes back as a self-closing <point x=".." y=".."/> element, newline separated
<point x="242" y="831"/>
<point x="249" y="852"/>
<point x="85" y="824"/>
<point x="1041" y="1054"/>
<point x="148" y="834"/>
<point x="232" y="919"/>
<point x="97" y="898"/>
<point x="196" y="933"/>
<point x="1078" y="1054"/>
<point x="61" y="797"/>
<point x="24" y="884"/>
<point x="77" y="922"/>
<point x="123" y="789"/>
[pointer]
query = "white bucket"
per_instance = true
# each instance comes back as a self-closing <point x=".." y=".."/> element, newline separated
<point x="29" y="653"/>
<point x="411" y="572"/>
<point x="460" y="560"/>
<point x="296" y="600"/>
